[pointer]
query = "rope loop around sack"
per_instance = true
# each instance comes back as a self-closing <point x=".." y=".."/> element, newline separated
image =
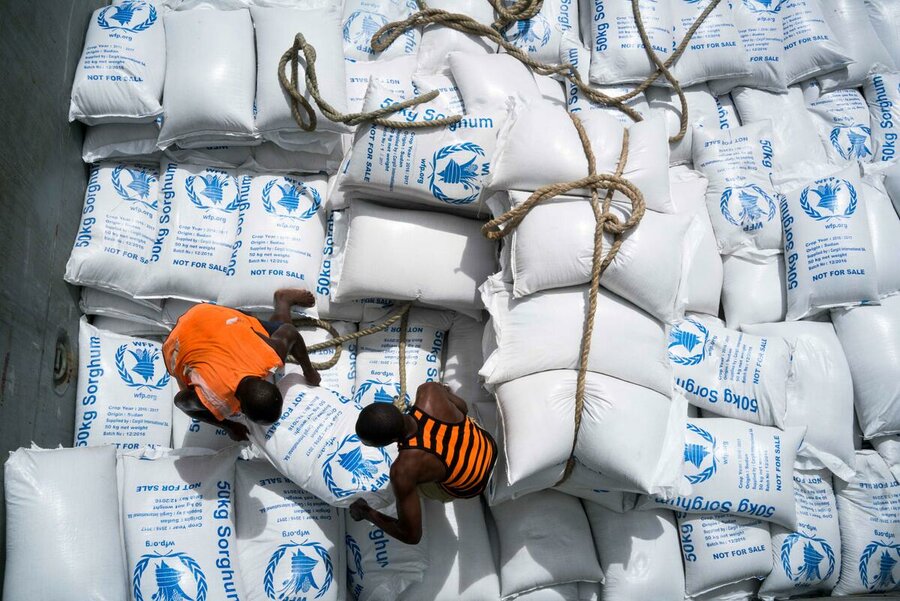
<point x="305" y="115"/>
<point x="337" y="342"/>
<point x="520" y="10"/>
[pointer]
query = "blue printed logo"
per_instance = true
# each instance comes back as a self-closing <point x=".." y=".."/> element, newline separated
<point x="134" y="185"/>
<point x="378" y="391"/>
<point x="802" y="556"/>
<point x="764" y="6"/>
<point x="359" y="28"/>
<point x="699" y="455"/>
<point x="834" y="199"/>
<point x="687" y="342"/>
<point x="455" y="174"/>
<point x="355" y="573"/>
<point x="353" y="468"/>
<point x="308" y="574"/>
<point x="289" y="197"/>
<point x="145" y="362"/>
<point x="850" y="141"/>
<point x="219" y="191"/>
<point x="876" y="566"/>
<point x="530" y="35"/>
<point x="748" y="207"/>
<point x="133" y="16"/>
<point x="176" y="577"/>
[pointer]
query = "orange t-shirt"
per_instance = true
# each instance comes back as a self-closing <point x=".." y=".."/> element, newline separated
<point x="214" y="348"/>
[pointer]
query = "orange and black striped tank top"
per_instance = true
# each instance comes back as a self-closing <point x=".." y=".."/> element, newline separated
<point x="465" y="449"/>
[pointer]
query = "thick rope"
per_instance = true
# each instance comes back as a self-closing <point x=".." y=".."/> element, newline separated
<point x="520" y="10"/>
<point x="305" y="115"/>
<point x="300" y="322"/>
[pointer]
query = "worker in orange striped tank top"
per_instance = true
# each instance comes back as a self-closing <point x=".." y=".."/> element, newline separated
<point x="443" y="454"/>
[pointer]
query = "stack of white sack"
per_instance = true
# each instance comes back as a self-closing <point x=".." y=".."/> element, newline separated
<point x="736" y="468"/>
<point x="378" y="355"/>
<point x="867" y="512"/>
<point x="555" y="550"/>
<point x="124" y="393"/>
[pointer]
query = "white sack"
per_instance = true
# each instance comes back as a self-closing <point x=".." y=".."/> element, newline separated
<point x="740" y="199"/>
<point x="130" y="328"/>
<point x="120" y="75"/>
<point x="486" y="82"/>
<point x="829" y="257"/>
<point x="278" y="240"/>
<point x="291" y="544"/>
<point x="97" y="302"/>
<point x="892" y="184"/>
<point x="314" y="443"/>
<point x="115" y="236"/>
<point x="553" y="248"/>
<point x="340" y="378"/>
<point x="540" y="36"/>
<point x="179" y="523"/>
<point x="553" y="550"/>
<point x="198" y="216"/>
<point x="541" y="146"/>
<point x="124" y="392"/>
<point x="378" y="355"/>
<point x="224" y="157"/>
<point x="871" y="340"/>
<point x="210" y="78"/>
<point x="380" y="240"/>
<point x="379" y="567"/>
<point x="701" y="286"/>
<point x="459" y="553"/>
<point x="270" y="157"/>
<point x="848" y="19"/>
<point x="753" y="290"/>
<point x="842" y="119"/>
<point x="617" y="53"/>
<point x="628" y="433"/>
<point x="189" y="433"/>
<point x="884" y="227"/>
<point x="544" y="331"/>
<point x="362" y="18"/>
<point x="728" y="116"/>
<point x="702" y="112"/>
<point x="737" y="468"/>
<point x="464" y="358"/>
<point x="117" y="141"/>
<point x="729" y="373"/>
<point x="715" y="50"/>
<point x="334" y="242"/>
<point x="884" y="16"/>
<point x="820" y="393"/>
<point x="720" y="550"/>
<point x="395" y="71"/>
<point x="807" y="560"/>
<point x="759" y="25"/>
<point x="889" y="449"/>
<point x="62" y="513"/>
<point x="810" y="46"/>
<point x="882" y="92"/>
<point x="638" y="552"/>
<point x="870" y="531"/>
<point x="438" y="41"/>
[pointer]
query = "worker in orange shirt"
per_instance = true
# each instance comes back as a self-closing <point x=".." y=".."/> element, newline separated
<point x="222" y="360"/>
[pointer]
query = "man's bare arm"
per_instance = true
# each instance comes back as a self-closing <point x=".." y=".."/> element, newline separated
<point x="407" y="526"/>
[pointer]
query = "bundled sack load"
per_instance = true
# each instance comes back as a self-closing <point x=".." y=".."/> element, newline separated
<point x="118" y="226"/>
<point x="62" y="513"/>
<point x="807" y="560"/>
<point x="119" y="78"/>
<point x="629" y="434"/>
<point x="810" y="46"/>
<point x="121" y="141"/>
<point x="210" y="79"/>
<point x="555" y="318"/>
<point x="753" y="290"/>
<point x="842" y="119"/>
<point x="721" y="550"/>
<point x="179" y="524"/>
<point x="820" y="393"/>
<point x="380" y="567"/>
<point x="124" y="391"/>
<point x="290" y="544"/>
<point x="378" y="355"/>
<point x="638" y="552"/>
<point x="554" y="550"/>
<point x="371" y="241"/>
<point x="199" y="209"/>
<point x="730" y="373"/>
<point x="870" y="337"/>
<point x="275" y="32"/>
<point x="870" y="532"/>
<point x="740" y="199"/>
<point x="849" y="21"/>
<point x="829" y="259"/>
<point x="553" y="248"/>
<point x="278" y="240"/>
<point x="736" y="468"/>
<point x="882" y="92"/>
<point x="314" y="443"/>
<point x="461" y="565"/>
